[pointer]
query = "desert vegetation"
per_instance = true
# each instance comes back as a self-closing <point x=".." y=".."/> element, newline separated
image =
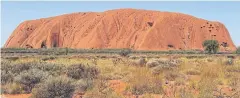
<point x="238" y="50"/>
<point x="119" y="74"/>
<point x="211" y="46"/>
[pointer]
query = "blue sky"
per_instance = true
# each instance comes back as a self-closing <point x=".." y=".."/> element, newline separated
<point x="13" y="13"/>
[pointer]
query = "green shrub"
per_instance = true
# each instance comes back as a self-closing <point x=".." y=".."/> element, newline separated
<point x="160" y="68"/>
<point x="48" y="58"/>
<point x="238" y="50"/>
<point x="12" y="58"/>
<point x="18" y="68"/>
<point x="125" y="52"/>
<point x="6" y="77"/>
<point x="82" y="85"/>
<point x="229" y="61"/>
<point x="6" y="73"/>
<point x="28" y="79"/>
<point x="211" y="46"/>
<point x="51" y="68"/>
<point x="79" y="71"/>
<point x="54" y="87"/>
<point x="152" y="63"/>
<point x="140" y="62"/>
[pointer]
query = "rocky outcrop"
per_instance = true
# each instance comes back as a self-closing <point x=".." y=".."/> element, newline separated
<point x="122" y="28"/>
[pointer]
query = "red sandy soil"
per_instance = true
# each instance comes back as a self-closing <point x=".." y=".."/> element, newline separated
<point x="119" y="86"/>
<point x="121" y="28"/>
<point x="16" y="96"/>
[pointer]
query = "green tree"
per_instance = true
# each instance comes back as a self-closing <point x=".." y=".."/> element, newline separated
<point x="211" y="46"/>
<point x="238" y="50"/>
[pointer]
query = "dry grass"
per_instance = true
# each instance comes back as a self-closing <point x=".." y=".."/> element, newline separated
<point x="193" y="77"/>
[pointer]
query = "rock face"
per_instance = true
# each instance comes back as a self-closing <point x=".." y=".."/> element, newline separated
<point x="122" y="28"/>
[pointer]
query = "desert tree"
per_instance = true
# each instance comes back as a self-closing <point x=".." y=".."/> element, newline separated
<point x="211" y="46"/>
<point x="238" y="50"/>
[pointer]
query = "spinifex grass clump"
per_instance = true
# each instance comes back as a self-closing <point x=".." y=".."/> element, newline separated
<point x="143" y="81"/>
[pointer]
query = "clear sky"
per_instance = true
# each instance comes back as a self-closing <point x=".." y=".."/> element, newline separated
<point x="13" y="13"/>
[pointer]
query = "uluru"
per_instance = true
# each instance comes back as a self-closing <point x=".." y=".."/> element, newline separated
<point x="120" y="28"/>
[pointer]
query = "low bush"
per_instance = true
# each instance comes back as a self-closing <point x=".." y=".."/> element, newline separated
<point x="81" y="86"/>
<point x="6" y="77"/>
<point x="125" y="52"/>
<point x="140" y="62"/>
<point x="152" y="63"/>
<point x="28" y="79"/>
<point x="19" y="67"/>
<point x="54" y="87"/>
<point x="160" y="68"/>
<point x="51" y="68"/>
<point x="79" y="71"/>
<point x="48" y="58"/>
<point x="12" y="58"/>
<point x="229" y="61"/>
<point x="163" y="63"/>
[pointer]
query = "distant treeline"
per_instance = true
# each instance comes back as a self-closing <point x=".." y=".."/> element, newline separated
<point x="65" y="51"/>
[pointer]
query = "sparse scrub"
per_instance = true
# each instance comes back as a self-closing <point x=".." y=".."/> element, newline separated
<point x="51" y="68"/>
<point x="54" y="87"/>
<point x="79" y="71"/>
<point x="101" y="89"/>
<point x="207" y="87"/>
<point x="17" y="68"/>
<point x="196" y="77"/>
<point x="28" y="79"/>
<point x="6" y="77"/>
<point x="144" y="82"/>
